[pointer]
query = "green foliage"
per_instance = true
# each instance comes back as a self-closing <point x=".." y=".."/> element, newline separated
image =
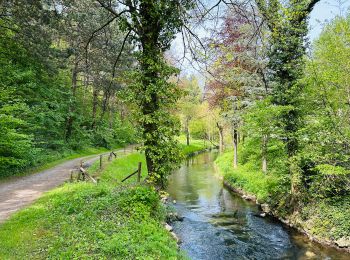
<point x="89" y="222"/>
<point x="153" y="107"/>
<point x="85" y="221"/>
<point x="288" y="24"/>
<point x="150" y="89"/>
<point x="195" y="146"/>
<point x="34" y="103"/>
<point x="247" y="178"/>
<point x="328" y="219"/>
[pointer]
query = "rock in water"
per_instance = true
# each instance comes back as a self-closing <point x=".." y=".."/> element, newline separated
<point x="178" y="241"/>
<point x="168" y="227"/>
<point x="266" y="208"/>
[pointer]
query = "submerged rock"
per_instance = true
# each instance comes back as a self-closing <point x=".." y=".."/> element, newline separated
<point x="173" y="216"/>
<point x="310" y="254"/>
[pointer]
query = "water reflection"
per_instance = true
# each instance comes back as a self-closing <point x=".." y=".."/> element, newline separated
<point x="220" y="225"/>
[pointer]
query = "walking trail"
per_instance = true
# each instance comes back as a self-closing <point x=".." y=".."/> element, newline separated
<point x="19" y="192"/>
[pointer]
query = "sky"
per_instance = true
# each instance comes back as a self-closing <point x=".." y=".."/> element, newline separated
<point x="323" y="12"/>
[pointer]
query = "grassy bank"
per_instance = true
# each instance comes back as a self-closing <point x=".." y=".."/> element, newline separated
<point x="86" y="221"/>
<point x="111" y="220"/>
<point x="195" y="145"/>
<point x="325" y="220"/>
<point x="247" y="178"/>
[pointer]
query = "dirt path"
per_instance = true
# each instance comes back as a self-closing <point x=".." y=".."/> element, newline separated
<point x="19" y="192"/>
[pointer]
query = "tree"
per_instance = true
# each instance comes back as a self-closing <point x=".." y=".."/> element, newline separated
<point x="288" y="27"/>
<point x="326" y="99"/>
<point x="238" y="70"/>
<point x="47" y="91"/>
<point x="189" y="103"/>
<point x="152" y="25"/>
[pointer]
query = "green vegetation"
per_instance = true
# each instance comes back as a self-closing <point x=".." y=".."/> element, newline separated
<point x="48" y="108"/>
<point x="194" y="146"/>
<point x="87" y="221"/>
<point x="78" y="77"/>
<point x="247" y="178"/>
<point x="53" y="160"/>
<point x="291" y="143"/>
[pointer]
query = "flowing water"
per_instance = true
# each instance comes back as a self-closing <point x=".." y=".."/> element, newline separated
<point x="219" y="224"/>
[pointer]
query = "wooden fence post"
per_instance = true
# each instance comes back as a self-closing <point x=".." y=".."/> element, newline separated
<point x="139" y="172"/>
<point x="101" y="161"/>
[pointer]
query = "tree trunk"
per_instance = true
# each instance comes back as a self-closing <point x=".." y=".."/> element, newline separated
<point x="112" y="110"/>
<point x="235" y="148"/>
<point x="221" y="138"/>
<point x="94" y="106"/>
<point x="70" y="118"/>
<point x="187" y="131"/>
<point x="264" y="153"/>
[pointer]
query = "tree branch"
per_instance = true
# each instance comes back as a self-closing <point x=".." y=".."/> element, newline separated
<point x="120" y="53"/>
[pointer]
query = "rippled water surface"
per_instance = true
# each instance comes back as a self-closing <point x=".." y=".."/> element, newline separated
<point x="220" y="225"/>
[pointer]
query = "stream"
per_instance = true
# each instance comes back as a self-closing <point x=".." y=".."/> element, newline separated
<point x="219" y="224"/>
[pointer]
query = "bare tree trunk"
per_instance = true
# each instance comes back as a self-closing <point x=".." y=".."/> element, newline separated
<point x="112" y="111"/>
<point x="94" y="106"/>
<point x="187" y="131"/>
<point x="70" y="118"/>
<point x="235" y="148"/>
<point x="264" y="153"/>
<point x="104" y="107"/>
<point x="221" y="136"/>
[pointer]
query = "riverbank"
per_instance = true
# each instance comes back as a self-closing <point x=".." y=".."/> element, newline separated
<point x="83" y="220"/>
<point x="326" y="221"/>
<point x="87" y="221"/>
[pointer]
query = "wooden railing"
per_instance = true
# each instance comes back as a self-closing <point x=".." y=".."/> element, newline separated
<point x="138" y="172"/>
<point x="83" y="174"/>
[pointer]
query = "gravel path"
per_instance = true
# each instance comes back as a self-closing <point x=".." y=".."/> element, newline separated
<point x="19" y="192"/>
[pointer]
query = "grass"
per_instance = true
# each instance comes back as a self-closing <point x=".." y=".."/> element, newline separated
<point x="86" y="221"/>
<point x="111" y="220"/>
<point x="195" y="145"/>
<point x="247" y="178"/>
<point x="326" y="219"/>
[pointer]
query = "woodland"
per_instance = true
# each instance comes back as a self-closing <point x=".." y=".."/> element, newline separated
<point x="80" y="75"/>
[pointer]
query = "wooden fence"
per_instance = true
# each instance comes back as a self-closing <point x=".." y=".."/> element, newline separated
<point x="83" y="174"/>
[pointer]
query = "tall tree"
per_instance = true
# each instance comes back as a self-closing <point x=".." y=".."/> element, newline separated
<point x="238" y="70"/>
<point x="189" y="103"/>
<point x="288" y="24"/>
<point x="152" y="25"/>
